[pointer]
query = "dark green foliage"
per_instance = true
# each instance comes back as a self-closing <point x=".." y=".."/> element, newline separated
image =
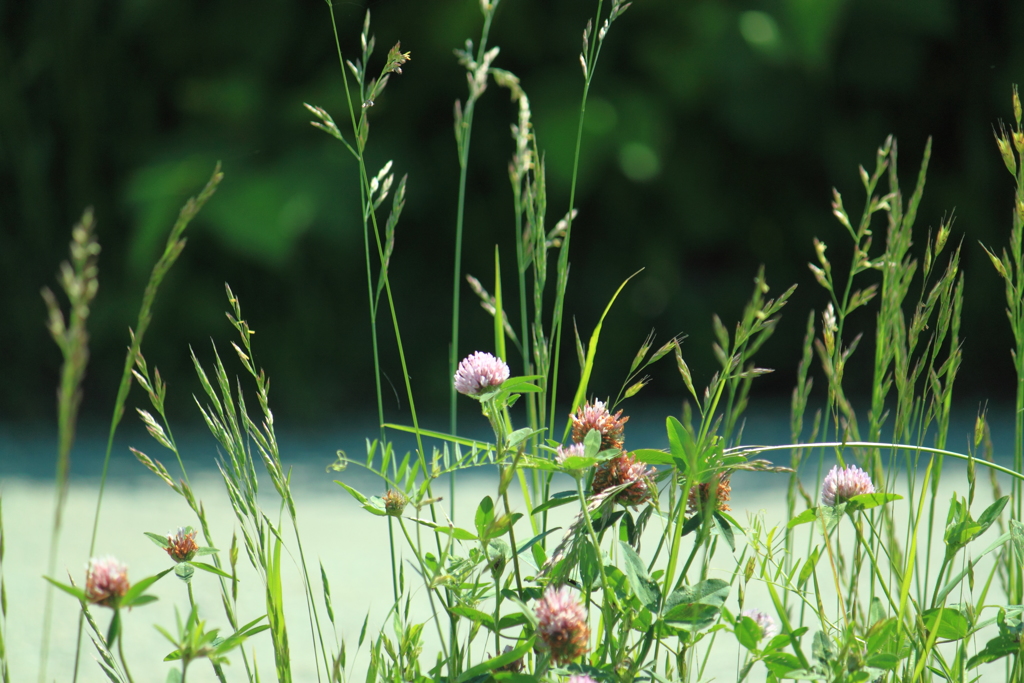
<point x="747" y="113"/>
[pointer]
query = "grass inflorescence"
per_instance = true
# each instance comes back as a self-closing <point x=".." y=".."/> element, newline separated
<point x="592" y="560"/>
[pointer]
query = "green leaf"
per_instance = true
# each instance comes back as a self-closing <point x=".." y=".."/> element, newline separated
<point x="210" y="568"/>
<point x="184" y="571"/>
<point x="997" y="648"/>
<point x="115" y="628"/>
<point x="533" y="541"/>
<point x="809" y="564"/>
<point x="578" y="462"/>
<point x="951" y="624"/>
<point x="639" y="580"/>
<point x="73" y="591"/>
<point x="748" y="633"/>
<point x="821" y="648"/>
<point x="595" y="337"/>
<point x="886" y="661"/>
<point x="592" y="443"/>
<point x="460" y="534"/>
<point x="991" y="513"/>
<point x="691" y="525"/>
<point x="484" y="516"/>
<point x="495" y="662"/>
<point x="520" y="435"/>
<point x="501" y="526"/>
<point x="1017" y="534"/>
<point x="135" y="592"/>
<point x="555" y="500"/>
<point x="158" y="539"/>
<point x="476" y="616"/>
<point x="375" y="505"/>
<point x="441" y="436"/>
<point x="697" y="606"/>
<point x="804" y="675"/>
<point x="143" y="600"/>
<point x="725" y="529"/>
<point x="651" y="456"/>
<point x="355" y="494"/>
<point x="680" y="442"/>
<point x="511" y="620"/>
<point x="866" y="501"/>
<point x="808" y="515"/>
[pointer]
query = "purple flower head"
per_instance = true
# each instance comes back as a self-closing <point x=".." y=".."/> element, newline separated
<point x="765" y="622"/>
<point x="842" y="484"/>
<point x="596" y="416"/>
<point x="106" y="581"/>
<point x="480" y="372"/>
<point x="580" y="678"/>
<point x="562" y="624"/>
<point x="571" y="451"/>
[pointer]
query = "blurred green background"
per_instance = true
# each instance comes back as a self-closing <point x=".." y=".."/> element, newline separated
<point x="715" y="133"/>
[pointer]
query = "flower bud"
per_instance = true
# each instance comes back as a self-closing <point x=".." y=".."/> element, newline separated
<point x="394" y="503"/>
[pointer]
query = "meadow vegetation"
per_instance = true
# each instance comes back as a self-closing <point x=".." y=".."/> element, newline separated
<point x="630" y="589"/>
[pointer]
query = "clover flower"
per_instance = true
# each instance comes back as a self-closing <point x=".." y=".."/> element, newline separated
<point x="843" y="483"/>
<point x="563" y="453"/>
<point x="596" y="416"/>
<point x="394" y="503"/>
<point x="624" y="469"/>
<point x="580" y="678"/>
<point x="764" y="622"/>
<point x="480" y="372"/>
<point x="700" y="494"/>
<point x="562" y="624"/>
<point x="106" y="581"/>
<point x="181" y="545"/>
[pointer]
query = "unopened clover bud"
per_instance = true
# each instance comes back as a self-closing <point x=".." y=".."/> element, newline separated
<point x="394" y="503"/>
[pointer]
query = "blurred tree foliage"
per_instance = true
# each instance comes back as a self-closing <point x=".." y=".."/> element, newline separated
<point x="715" y="132"/>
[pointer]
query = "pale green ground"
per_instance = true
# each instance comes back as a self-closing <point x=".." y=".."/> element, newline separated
<point x="351" y="544"/>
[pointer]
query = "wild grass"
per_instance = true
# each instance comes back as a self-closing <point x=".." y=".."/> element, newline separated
<point x="652" y="575"/>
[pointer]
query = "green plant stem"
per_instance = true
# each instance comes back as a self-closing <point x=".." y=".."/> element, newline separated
<point x="515" y="555"/>
<point x="466" y="135"/>
<point x="751" y="450"/>
<point x="431" y="591"/>
<point x="608" y="597"/>
<point x="563" y="254"/>
<point x="120" y="652"/>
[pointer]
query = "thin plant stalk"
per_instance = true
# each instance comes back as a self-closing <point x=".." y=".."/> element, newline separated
<point x="79" y="279"/>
